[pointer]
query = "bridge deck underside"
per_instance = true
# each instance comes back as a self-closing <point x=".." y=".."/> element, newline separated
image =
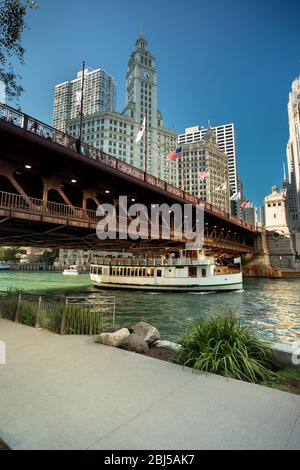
<point x="49" y="162"/>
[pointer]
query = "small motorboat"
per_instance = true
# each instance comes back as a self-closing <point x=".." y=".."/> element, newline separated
<point x="71" y="271"/>
<point x="4" y="266"/>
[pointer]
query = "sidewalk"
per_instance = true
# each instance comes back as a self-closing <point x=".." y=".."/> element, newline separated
<point x="67" y="392"/>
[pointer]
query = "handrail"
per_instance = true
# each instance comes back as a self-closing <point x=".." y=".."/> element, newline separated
<point x="19" y="202"/>
<point x="47" y="132"/>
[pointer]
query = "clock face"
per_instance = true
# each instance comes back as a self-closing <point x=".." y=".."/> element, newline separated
<point x="146" y="74"/>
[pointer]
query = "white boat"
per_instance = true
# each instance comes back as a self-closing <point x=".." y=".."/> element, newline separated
<point x="4" y="266"/>
<point x="166" y="274"/>
<point x="71" y="271"/>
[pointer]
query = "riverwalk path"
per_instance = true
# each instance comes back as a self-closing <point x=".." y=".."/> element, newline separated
<point x="67" y="392"/>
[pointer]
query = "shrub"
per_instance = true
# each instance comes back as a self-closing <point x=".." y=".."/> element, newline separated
<point x="223" y="345"/>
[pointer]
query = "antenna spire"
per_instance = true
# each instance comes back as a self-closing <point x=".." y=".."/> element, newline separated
<point x="284" y="174"/>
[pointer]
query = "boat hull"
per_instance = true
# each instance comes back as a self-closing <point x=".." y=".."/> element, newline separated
<point x="229" y="285"/>
<point x="229" y="288"/>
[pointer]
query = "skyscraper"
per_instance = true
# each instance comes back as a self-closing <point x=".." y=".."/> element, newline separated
<point x="293" y="156"/>
<point x="200" y="157"/>
<point x="115" y="132"/>
<point x="225" y="137"/>
<point x="99" y="95"/>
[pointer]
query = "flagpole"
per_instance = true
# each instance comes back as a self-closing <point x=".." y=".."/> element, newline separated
<point x="146" y="142"/>
<point x="81" y="105"/>
<point x="182" y="172"/>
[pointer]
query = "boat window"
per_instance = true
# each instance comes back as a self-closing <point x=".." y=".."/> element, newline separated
<point x="203" y="272"/>
<point x="100" y="270"/>
<point x="158" y="273"/>
<point x="144" y="272"/>
<point x="192" y="271"/>
<point x="152" y="272"/>
<point x="110" y="270"/>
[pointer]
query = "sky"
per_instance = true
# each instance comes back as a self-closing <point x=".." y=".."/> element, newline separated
<point x="223" y="61"/>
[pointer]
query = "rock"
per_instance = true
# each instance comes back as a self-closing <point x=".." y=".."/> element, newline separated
<point x="134" y="343"/>
<point x="168" y="345"/>
<point x="147" y="331"/>
<point x="112" y="339"/>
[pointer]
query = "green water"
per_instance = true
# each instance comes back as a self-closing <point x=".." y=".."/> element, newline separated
<point x="272" y="306"/>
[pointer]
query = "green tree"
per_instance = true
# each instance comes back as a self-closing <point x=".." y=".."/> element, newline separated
<point x="8" y="254"/>
<point x="12" y="26"/>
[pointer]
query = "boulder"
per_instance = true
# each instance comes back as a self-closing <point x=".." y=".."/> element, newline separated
<point x="167" y="345"/>
<point x="134" y="343"/>
<point x="146" y="331"/>
<point x="112" y="339"/>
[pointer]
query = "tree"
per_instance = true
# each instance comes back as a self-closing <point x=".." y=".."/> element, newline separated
<point x="12" y="26"/>
<point x="8" y="254"/>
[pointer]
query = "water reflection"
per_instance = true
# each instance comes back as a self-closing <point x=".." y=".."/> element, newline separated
<point x="272" y="306"/>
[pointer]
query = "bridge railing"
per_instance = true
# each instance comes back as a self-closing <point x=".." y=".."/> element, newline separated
<point x="30" y="204"/>
<point x="58" y="137"/>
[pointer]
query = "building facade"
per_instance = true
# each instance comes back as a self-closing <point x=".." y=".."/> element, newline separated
<point x="99" y="95"/>
<point x="115" y="133"/>
<point x="292" y="185"/>
<point x="249" y="215"/>
<point x="280" y="240"/>
<point x="226" y="140"/>
<point x="199" y="156"/>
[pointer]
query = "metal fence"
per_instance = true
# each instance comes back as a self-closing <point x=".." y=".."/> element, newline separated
<point x="63" y="315"/>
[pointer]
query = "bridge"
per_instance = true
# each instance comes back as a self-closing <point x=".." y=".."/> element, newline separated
<point x="51" y="186"/>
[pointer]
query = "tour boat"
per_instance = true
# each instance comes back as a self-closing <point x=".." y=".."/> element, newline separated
<point x="167" y="274"/>
<point x="4" y="266"/>
<point x="71" y="271"/>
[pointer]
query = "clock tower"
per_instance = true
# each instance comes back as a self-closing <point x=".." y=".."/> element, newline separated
<point x="141" y="100"/>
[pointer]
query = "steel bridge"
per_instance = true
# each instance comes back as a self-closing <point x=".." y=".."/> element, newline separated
<point x="51" y="186"/>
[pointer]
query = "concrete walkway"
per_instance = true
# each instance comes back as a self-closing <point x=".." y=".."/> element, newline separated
<point x="66" y="392"/>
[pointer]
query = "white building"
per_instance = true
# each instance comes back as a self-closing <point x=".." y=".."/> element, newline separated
<point x="199" y="156"/>
<point x="115" y="132"/>
<point x="226" y="140"/>
<point x="99" y="95"/>
<point x="293" y="159"/>
<point x="280" y="241"/>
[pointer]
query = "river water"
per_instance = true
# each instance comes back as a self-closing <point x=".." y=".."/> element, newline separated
<point x="272" y="306"/>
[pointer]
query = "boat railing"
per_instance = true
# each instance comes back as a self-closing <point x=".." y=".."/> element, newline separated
<point x="149" y="261"/>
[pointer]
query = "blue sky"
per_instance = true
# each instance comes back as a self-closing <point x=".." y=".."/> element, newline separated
<point x="227" y="61"/>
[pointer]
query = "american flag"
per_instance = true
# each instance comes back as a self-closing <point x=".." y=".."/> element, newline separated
<point x="175" y="154"/>
<point x="246" y="204"/>
<point x="203" y="174"/>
